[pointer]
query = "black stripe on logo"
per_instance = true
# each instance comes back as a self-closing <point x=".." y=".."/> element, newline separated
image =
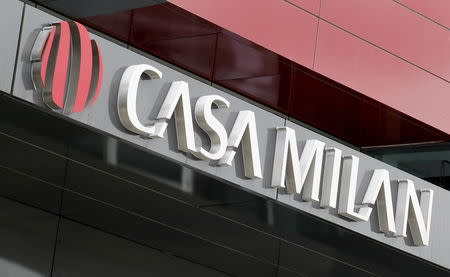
<point x="74" y="68"/>
<point x="50" y="71"/>
<point x="95" y="72"/>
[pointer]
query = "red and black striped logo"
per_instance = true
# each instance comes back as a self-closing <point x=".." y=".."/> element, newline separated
<point x="67" y="67"/>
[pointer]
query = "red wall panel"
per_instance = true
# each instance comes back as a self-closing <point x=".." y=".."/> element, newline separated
<point x="274" y="24"/>
<point x="395" y="29"/>
<point x="179" y="37"/>
<point x="383" y="77"/>
<point x="351" y="116"/>
<point x="312" y="6"/>
<point x="167" y="21"/>
<point x="344" y="107"/>
<point x="252" y="70"/>
<point x="437" y="10"/>
<point x="116" y="24"/>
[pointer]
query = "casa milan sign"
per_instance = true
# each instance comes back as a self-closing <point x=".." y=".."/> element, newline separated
<point x="67" y="70"/>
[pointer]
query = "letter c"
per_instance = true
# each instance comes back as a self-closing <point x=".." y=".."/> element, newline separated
<point x="126" y="101"/>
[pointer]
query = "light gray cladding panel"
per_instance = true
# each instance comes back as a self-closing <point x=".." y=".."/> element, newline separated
<point x="10" y="19"/>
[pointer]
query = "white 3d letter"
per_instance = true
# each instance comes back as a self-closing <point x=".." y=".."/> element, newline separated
<point x="410" y="211"/>
<point x="312" y="155"/>
<point x="348" y="190"/>
<point x="288" y="168"/>
<point x="244" y="130"/>
<point x="330" y="181"/>
<point x="286" y="165"/>
<point x="178" y="101"/>
<point x="208" y="123"/>
<point x="126" y="102"/>
<point x="379" y="190"/>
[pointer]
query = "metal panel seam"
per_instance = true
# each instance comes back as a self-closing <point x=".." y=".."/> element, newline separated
<point x="17" y="50"/>
<point x="373" y="44"/>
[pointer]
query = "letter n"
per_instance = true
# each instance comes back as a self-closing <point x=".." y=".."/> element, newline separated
<point x="409" y="211"/>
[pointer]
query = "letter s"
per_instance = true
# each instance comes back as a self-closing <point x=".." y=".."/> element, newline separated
<point x="208" y="123"/>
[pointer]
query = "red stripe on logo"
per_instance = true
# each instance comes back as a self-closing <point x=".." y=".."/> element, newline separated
<point x="62" y="60"/>
<point x="85" y="70"/>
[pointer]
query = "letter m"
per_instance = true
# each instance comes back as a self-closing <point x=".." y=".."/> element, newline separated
<point x="293" y="173"/>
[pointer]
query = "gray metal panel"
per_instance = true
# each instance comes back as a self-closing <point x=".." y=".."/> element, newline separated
<point x="85" y="8"/>
<point x="103" y="116"/>
<point x="83" y="251"/>
<point x="27" y="238"/>
<point x="10" y="19"/>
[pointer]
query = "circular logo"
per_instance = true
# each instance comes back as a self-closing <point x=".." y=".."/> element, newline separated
<point x="67" y="67"/>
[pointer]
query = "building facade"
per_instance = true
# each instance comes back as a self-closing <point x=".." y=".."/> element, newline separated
<point x="224" y="138"/>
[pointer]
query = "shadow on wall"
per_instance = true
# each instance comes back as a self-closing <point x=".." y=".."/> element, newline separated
<point x="27" y="239"/>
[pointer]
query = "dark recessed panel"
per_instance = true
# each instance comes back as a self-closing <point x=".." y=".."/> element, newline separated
<point x="308" y="263"/>
<point x="27" y="240"/>
<point x="155" y="206"/>
<point x="30" y="190"/>
<point x="347" y="246"/>
<point x="32" y="125"/>
<point x="31" y="160"/>
<point x="151" y="171"/>
<point x="84" y="251"/>
<point x="85" y="8"/>
<point x="161" y="237"/>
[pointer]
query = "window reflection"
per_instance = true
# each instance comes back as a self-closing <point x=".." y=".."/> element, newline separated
<point x="430" y="161"/>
